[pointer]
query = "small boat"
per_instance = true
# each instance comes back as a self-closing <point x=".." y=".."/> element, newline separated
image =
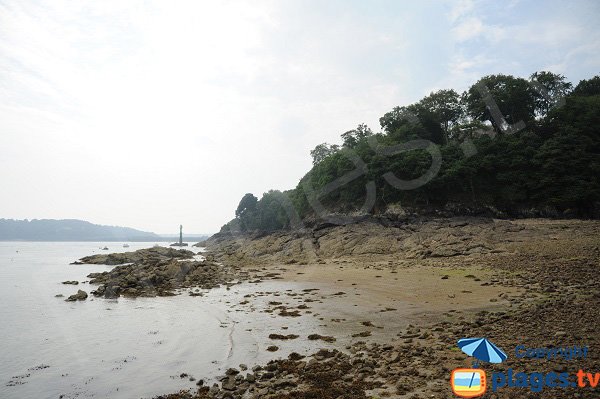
<point x="105" y="249"/>
<point x="125" y="245"/>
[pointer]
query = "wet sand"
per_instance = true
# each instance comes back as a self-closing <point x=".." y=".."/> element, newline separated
<point x="392" y="297"/>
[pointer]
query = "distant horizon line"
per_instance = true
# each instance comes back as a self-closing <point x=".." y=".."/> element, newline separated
<point x="106" y="225"/>
<point x="184" y="235"/>
<point x="164" y="239"/>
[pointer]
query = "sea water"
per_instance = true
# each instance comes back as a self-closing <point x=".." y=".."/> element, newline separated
<point x="123" y="348"/>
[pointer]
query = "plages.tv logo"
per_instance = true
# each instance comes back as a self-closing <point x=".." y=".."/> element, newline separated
<point x="470" y="383"/>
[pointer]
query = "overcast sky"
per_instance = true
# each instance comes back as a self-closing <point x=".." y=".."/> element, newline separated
<point x="149" y="114"/>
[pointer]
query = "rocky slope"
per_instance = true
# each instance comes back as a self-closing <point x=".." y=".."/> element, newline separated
<point x="420" y="239"/>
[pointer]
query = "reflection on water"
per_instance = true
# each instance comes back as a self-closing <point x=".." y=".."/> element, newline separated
<point x="123" y="348"/>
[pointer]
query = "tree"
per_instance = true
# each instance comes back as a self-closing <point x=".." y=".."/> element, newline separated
<point x="429" y="126"/>
<point x="247" y="205"/>
<point x="551" y="166"/>
<point x="589" y="87"/>
<point x="246" y="212"/>
<point x="267" y="214"/>
<point x="322" y="151"/>
<point x="396" y="118"/>
<point x="551" y="90"/>
<point x="429" y="119"/>
<point x="271" y="211"/>
<point x="444" y="106"/>
<point x="352" y="137"/>
<point x="414" y="121"/>
<point x="514" y="97"/>
<point x="568" y="171"/>
<point x="470" y="130"/>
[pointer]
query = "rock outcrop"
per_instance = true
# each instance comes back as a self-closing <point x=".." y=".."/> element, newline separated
<point x="148" y="255"/>
<point x="159" y="278"/>
<point x="80" y="296"/>
<point x="419" y="239"/>
<point x="156" y="271"/>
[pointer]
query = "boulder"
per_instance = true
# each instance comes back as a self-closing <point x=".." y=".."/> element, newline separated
<point x="99" y="291"/>
<point x="111" y="292"/>
<point x="80" y="296"/>
<point x="229" y="383"/>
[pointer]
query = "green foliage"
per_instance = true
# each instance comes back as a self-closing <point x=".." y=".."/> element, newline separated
<point x="246" y="212"/>
<point x="353" y="137"/>
<point x="554" y="163"/>
<point x="442" y="107"/>
<point x="247" y="205"/>
<point x="515" y="98"/>
<point x="468" y="130"/>
<point x="397" y="118"/>
<point x="272" y="212"/>
<point x="413" y="122"/>
<point x="551" y="88"/>
<point x="569" y="160"/>
<point x="268" y="214"/>
<point x="589" y="87"/>
<point x="322" y="151"/>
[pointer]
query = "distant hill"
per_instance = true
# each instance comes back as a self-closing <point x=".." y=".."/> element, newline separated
<point x="69" y="230"/>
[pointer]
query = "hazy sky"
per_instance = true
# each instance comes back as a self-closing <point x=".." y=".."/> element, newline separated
<point x="149" y="114"/>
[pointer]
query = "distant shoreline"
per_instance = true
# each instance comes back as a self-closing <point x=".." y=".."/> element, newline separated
<point x="74" y="230"/>
<point x="161" y="239"/>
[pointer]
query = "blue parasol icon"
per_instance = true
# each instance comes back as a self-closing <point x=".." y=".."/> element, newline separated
<point x="482" y="349"/>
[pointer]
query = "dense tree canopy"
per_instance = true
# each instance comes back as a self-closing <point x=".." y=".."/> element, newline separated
<point x="352" y="137"/>
<point x="322" y="151"/>
<point x="551" y="89"/>
<point x="459" y="149"/>
<point x="589" y="87"/>
<point x="514" y="98"/>
<point x="444" y="108"/>
<point x="267" y="214"/>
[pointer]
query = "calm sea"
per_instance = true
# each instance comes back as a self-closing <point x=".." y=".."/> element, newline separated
<point x="125" y="348"/>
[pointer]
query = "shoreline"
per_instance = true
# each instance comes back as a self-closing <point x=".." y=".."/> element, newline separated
<point x="387" y="321"/>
